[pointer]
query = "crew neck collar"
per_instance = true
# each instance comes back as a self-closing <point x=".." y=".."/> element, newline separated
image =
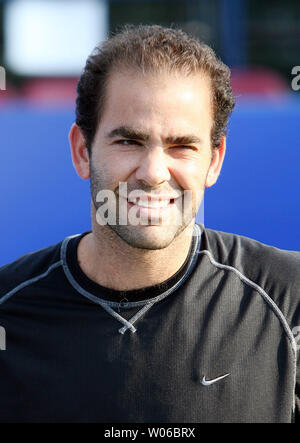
<point x="137" y="297"/>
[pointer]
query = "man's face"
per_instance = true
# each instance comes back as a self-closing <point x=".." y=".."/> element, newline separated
<point x="154" y="135"/>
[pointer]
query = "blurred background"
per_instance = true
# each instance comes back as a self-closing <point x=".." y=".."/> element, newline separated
<point x="43" y="48"/>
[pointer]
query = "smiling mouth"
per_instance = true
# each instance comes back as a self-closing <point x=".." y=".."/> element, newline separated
<point x="151" y="204"/>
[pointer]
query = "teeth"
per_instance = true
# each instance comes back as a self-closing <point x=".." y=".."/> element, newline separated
<point x="150" y="204"/>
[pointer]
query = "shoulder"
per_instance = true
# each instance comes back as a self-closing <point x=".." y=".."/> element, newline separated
<point x="28" y="268"/>
<point x="239" y="250"/>
<point x="250" y="255"/>
<point x="275" y="271"/>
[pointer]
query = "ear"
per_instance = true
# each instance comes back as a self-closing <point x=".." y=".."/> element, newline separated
<point x="80" y="155"/>
<point x="216" y="164"/>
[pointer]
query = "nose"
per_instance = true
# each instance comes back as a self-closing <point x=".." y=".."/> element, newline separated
<point x="154" y="168"/>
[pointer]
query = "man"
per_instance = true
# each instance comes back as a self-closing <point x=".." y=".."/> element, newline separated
<point x="150" y="317"/>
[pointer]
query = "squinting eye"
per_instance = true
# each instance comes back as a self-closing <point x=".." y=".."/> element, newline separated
<point x="184" y="147"/>
<point x="126" y="142"/>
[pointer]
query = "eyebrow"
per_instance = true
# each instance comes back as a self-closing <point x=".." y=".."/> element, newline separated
<point x="135" y="134"/>
<point x="127" y="132"/>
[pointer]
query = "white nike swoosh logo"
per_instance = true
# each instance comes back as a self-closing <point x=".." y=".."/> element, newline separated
<point x="210" y="382"/>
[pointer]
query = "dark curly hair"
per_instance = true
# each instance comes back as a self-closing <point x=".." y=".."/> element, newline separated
<point x="151" y="49"/>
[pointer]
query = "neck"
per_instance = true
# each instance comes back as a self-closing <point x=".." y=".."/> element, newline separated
<point x="109" y="261"/>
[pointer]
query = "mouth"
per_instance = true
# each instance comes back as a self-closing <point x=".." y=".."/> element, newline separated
<point x="157" y="210"/>
<point x="151" y="203"/>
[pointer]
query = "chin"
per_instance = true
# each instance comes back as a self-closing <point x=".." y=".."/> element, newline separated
<point x="151" y="237"/>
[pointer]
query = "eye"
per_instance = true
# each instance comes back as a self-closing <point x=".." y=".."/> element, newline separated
<point x="126" y="142"/>
<point x="184" y="147"/>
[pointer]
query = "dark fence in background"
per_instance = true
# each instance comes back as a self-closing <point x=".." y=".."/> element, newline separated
<point x="243" y="32"/>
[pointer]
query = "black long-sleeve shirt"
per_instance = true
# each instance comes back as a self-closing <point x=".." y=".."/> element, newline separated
<point x="215" y="343"/>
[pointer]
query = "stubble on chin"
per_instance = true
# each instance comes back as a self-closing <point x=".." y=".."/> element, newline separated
<point x="148" y="236"/>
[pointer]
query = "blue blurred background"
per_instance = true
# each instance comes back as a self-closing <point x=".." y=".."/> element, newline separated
<point x="42" y="198"/>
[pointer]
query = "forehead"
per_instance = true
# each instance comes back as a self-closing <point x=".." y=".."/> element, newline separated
<point x="158" y="99"/>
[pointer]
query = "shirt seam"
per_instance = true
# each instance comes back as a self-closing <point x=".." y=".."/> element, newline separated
<point x="144" y="305"/>
<point x="140" y="303"/>
<point x="29" y="282"/>
<point x="271" y="304"/>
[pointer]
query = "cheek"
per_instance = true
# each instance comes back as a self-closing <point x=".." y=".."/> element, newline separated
<point x="190" y="174"/>
<point x="191" y="177"/>
<point x="116" y="167"/>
